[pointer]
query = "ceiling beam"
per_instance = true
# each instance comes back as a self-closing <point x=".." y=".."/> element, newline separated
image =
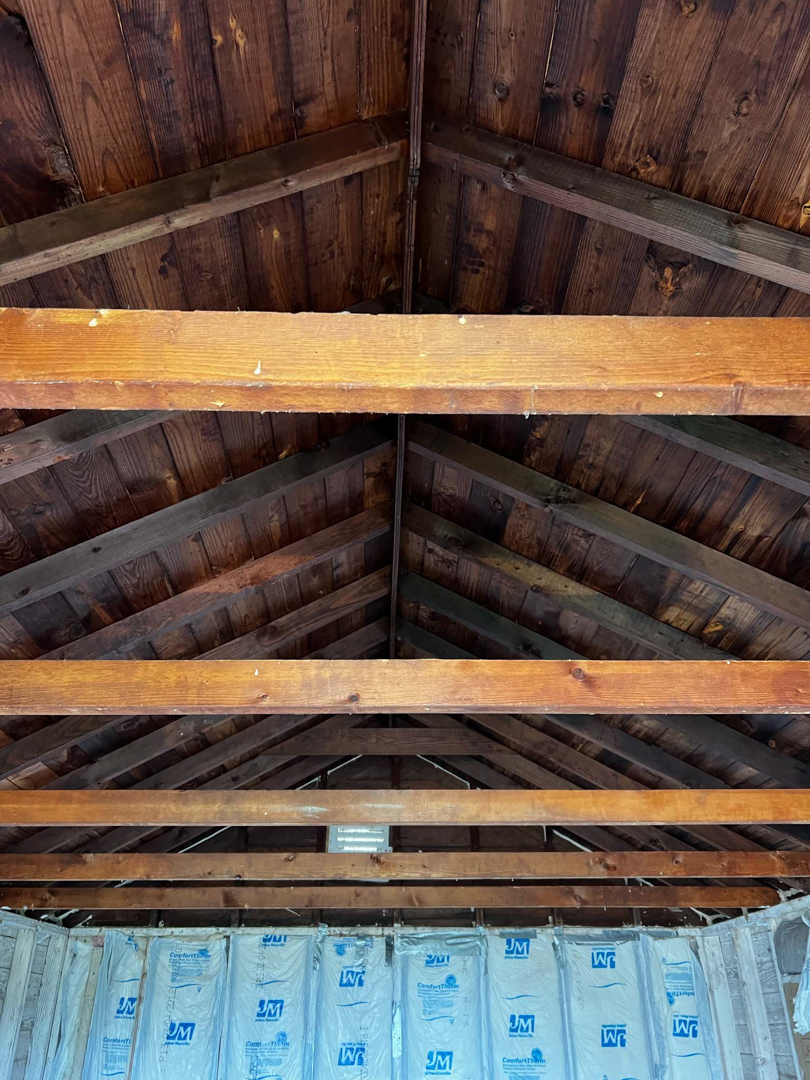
<point x="256" y="361"/>
<point x="37" y="580"/>
<point x="754" y="247"/>
<point x="31" y="809"/>
<point x="631" y="531"/>
<point x="62" y="437"/>
<point x="624" y="620"/>
<point x="168" y="687"/>
<point x="70" y="730"/>
<point x="79" y="232"/>
<point x="396" y="866"/>
<point x="401" y="742"/>
<point x="376" y="897"/>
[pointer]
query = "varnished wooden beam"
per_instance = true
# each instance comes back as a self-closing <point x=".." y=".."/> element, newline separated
<point x="168" y="687"/>
<point x="619" y="526"/>
<point x="754" y="247"/>
<point x="78" y="232"/>
<point x="393" y="866"/>
<point x="30" y="809"/>
<point x="375" y="897"/>
<point x="58" y="571"/>
<point x="55" y="358"/>
<point x="62" y="437"/>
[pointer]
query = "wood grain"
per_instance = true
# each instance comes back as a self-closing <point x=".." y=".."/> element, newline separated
<point x="417" y="866"/>
<point x="434" y="363"/>
<point x="179" y="202"/>
<point x="406" y="807"/>
<point x="166" y="687"/>
<point x="621" y="202"/>
<point x="376" y="897"/>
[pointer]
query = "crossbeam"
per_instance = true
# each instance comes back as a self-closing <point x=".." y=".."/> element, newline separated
<point x="256" y="361"/>
<point x="168" y="687"/>
<point x="393" y="866"/>
<point x="45" y="807"/>
<point x="376" y="897"/>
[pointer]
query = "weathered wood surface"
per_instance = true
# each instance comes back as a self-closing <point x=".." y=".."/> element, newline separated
<point x="620" y="202"/>
<point x="374" y="897"/>
<point x="166" y="687"/>
<point x="434" y="363"/>
<point x="416" y="807"/>
<point x="423" y="865"/>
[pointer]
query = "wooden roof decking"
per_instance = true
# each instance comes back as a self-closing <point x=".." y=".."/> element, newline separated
<point x="706" y="101"/>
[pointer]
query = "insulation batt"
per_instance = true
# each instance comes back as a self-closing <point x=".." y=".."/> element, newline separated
<point x="118" y="999"/>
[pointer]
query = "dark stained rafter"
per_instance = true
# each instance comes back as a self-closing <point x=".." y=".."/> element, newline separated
<point x="130" y="217"/>
<point x="596" y="516"/>
<point x="48" y="576"/>
<point x="652" y="212"/>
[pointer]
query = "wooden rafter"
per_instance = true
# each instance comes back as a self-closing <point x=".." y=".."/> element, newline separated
<point x="624" y="620"/>
<point x="376" y="897"/>
<point x="403" y="865"/>
<point x="48" y="576"/>
<point x="653" y="212"/>
<point x="79" y="232"/>
<point x="167" y="687"/>
<point x="473" y="364"/>
<point x="61" y="437"/>
<point x="621" y="527"/>
<point x="420" y="807"/>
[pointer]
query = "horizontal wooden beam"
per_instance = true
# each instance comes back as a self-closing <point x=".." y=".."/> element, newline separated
<point x="62" y="569"/>
<point x="376" y="897"/>
<point x="249" y="360"/>
<point x="130" y="217"/>
<point x="168" y="687"/>
<point x="737" y="444"/>
<point x="64" y="436"/>
<point x="601" y="518"/>
<point x="30" y="809"/>
<point x="383" y="742"/>
<point x="754" y="247"/>
<point x="394" y="866"/>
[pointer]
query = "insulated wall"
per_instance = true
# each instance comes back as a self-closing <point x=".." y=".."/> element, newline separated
<point x="377" y="1004"/>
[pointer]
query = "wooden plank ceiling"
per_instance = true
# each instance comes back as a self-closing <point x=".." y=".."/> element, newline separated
<point x="269" y="535"/>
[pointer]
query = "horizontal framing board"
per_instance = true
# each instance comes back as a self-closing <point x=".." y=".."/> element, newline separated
<point x="601" y="518"/>
<point x="168" y="687"/>
<point x="79" y="232"/>
<point x="393" y="807"/>
<point x="383" y="866"/>
<point x="754" y="247"/>
<point x="374" y="897"/>
<point x="247" y="360"/>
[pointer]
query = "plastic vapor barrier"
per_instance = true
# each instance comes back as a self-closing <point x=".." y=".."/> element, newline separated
<point x="118" y="997"/>
<point x="353" y="1039"/>
<point x="74" y="981"/>
<point x="608" y="1016"/>
<point x="525" y="1007"/>
<point x="179" y="1031"/>
<point x="442" y="1015"/>
<point x="684" y="1011"/>
<point x="267" y="1007"/>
